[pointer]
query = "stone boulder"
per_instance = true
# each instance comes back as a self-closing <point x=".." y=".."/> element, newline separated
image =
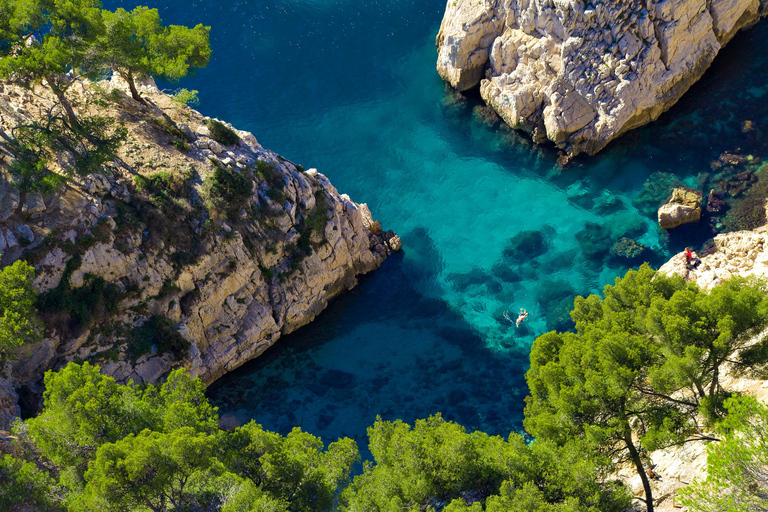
<point x="683" y="207"/>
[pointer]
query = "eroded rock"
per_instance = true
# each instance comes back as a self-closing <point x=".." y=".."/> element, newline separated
<point x="683" y="207"/>
<point x="578" y="74"/>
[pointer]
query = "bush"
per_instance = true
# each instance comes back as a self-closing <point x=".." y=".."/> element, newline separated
<point x="159" y="331"/>
<point x="230" y="190"/>
<point x="73" y="309"/>
<point x="221" y="133"/>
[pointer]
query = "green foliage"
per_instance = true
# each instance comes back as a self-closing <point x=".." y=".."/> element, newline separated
<point x="438" y="461"/>
<point x="166" y="191"/>
<point x="160" y="332"/>
<point x="25" y="487"/>
<point x="737" y="466"/>
<point x="136" y="44"/>
<point x="230" y="190"/>
<point x="88" y="145"/>
<point x="19" y="323"/>
<point x="221" y="133"/>
<point x="84" y="410"/>
<point x="150" y="469"/>
<point x="644" y="361"/>
<point x="186" y="97"/>
<point x="293" y="469"/>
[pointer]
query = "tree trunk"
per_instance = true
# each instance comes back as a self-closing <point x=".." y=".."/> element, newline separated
<point x="134" y="92"/>
<point x="64" y="102"/>
<point x="635" y="456"/>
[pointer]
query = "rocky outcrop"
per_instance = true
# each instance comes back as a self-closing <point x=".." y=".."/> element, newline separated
<point x="741" y="253"/>
<point x="9" y="402"/>
<point x="199" y="255"/>
<point x="581" y="73"/>
<point x="683" y="207"/>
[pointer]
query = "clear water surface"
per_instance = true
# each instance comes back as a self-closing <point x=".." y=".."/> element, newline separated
<point x="489" y="223"/>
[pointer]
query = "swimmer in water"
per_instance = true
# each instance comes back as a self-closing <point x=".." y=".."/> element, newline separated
<point x="523" y="315"/>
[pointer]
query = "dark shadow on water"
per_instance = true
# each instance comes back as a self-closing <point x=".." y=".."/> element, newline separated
<point x="441" y="357"/>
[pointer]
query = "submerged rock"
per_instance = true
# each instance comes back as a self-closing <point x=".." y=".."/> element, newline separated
<point x="628" y="248"/>
<point x="579" y="74"/>
<point x="595" y="241"/>
<point x="526" y="245"/>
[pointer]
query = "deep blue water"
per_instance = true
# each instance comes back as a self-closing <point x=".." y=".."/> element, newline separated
<point x="489" y="222"/>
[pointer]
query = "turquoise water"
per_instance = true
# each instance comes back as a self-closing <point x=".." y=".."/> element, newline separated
<point x="490" y="223"/>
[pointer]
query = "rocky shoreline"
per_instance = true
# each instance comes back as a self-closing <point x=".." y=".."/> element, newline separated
<point x="580" y="74"/>
<point x="228" y="284"/>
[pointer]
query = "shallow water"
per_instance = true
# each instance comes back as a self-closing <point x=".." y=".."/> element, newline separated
<point x="490" y="223"/>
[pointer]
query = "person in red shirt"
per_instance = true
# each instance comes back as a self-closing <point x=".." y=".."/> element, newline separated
<point x="687" y="257"/>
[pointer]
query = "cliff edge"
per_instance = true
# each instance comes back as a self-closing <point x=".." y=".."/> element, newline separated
<point x="184" y="251"/>
<point x="582" y="72"/>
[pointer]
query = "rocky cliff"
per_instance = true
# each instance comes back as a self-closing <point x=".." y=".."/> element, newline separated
<point x="183" y="252"/>
<point x="582" y="72"/>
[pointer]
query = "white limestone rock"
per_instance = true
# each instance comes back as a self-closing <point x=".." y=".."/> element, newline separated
<point x="582" y="77"/>
<point x="683" y="207"/>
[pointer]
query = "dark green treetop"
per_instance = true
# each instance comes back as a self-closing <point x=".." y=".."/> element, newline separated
<point x="136" y="44"/>
<point x="643" y="364"/>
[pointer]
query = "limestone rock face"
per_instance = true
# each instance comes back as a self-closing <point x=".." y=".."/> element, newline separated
<point x="742" y="253"/>
<point x="684" y="207"/>
<point x="230" y="280"/>
<point x="581" y="74"/>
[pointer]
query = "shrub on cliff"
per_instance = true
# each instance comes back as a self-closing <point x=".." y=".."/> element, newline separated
<point x="221" y="133"/>
<point x="737" y="465"/>
<point x="19" y="323"/>
<point x="229" y="190"/>
<point x="160" y="332"/>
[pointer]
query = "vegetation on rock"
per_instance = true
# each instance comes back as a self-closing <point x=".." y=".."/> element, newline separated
<point x="221" y="133"/>
<point x="737" y="467"/>
<point x="135" y="44"/>
<point x="644" y="364"/>
<point x="19" y="323"/>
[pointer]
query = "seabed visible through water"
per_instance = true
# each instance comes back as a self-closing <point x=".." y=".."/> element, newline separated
<point x="490" y="223"/>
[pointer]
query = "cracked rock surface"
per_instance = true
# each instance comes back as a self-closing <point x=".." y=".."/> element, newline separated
<point x="230" y="280"/>
<point x="582" y="72"/>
